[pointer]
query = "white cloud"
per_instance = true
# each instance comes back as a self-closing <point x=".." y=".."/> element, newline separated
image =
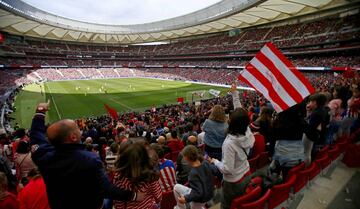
<point x="120" y="11"/>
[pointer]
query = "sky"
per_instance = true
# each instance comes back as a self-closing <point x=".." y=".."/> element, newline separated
<point x="123" y="12"/>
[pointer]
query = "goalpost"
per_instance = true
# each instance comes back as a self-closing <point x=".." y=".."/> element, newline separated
<point x="195" y="96"/>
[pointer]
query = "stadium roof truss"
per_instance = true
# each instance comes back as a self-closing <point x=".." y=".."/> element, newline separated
<point x="18" y="17"/>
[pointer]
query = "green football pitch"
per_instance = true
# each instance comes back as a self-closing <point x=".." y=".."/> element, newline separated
<point x="85" y="98"/>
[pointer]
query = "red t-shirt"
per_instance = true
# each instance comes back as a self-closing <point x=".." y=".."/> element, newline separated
<point x="34" y="196"/>
<point x="175" y="145"/>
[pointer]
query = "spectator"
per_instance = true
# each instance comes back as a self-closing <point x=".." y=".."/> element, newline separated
<point x="167" y="170"/>
<point x="189" y="132"/>
<point x="201" y="189"/>
<point x="352" y="120"/>
<point x="33" y="195"/>
<point x="6" y="169"/>
<point x="318" y="119"/>
<point x="23" y="160"/>
<point x="215" y="131"/>
<point x="71" y="174"/>
<point x="7" y="199"/>
<point x="338" y="107"/>
<point x="201" y="136"/>
<point x="263" y="124"/>
<point x="174" y="143"/>
<point x="182" y="166"/>
<point x="236" y="148"/>
<point x="88" y="140"/>
<point x="111" y="156"/>
<point x="135" y="172"/>
<point x="162" y="142"/>
<point x="288" y="128"/>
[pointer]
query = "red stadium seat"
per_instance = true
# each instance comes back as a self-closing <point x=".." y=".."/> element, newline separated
<point x="250" y="197"/>
<point x="280" y="193"/>
<point x="168" y="200"/>
<point x="322" y="152"/>
<point x="352" y="156"/>
<point x="314" y="170"/>
<point x="258" y="204"/>
<point x="334" y="152"/>
<point x="295" y="170"/>
<point x="342" y="146"/>
<point x="323" y="162"/>
<point x="302" y="178"/>
<point x="342" y="139"/>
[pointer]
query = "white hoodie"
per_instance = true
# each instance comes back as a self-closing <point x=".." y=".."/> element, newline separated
<point x="234" y="164"/>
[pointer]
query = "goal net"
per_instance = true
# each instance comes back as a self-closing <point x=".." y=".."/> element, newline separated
<point x="195" y="96"/>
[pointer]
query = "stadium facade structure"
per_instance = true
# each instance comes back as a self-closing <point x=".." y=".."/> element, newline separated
<point x="37" y="39"/>
<point x="18" y="17"/>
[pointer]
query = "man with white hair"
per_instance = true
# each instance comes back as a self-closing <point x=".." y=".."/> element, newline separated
<point x="88" y="140"/>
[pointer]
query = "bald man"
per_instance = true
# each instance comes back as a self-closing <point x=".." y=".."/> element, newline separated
<point x="192" y="140"/>
<point x="161" y="140"/>
<point x="74" y="177"/>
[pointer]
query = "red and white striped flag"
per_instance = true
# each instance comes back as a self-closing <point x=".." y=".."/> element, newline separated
<point x="273" y="75"/>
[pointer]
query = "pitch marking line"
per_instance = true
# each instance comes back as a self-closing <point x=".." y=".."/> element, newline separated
<point x="52" y="98"/>
<point x="122" y="104"/>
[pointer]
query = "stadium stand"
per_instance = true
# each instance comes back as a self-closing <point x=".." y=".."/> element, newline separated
<point x="325" y="50"/>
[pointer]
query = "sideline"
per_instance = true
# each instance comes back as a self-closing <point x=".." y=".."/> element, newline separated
<point x="52" y="98"/>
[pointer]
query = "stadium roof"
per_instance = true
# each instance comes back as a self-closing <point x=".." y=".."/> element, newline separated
<point x="18" y="17"/>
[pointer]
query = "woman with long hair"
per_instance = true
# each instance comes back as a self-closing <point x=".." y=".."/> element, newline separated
<point x="290" y="127"/>
<point x="135" y="172"/>
<point x="215" y="131"/>
<point x="234" y="164"/>
<point x="338" y="107"/>
<point x="262" y="125"/>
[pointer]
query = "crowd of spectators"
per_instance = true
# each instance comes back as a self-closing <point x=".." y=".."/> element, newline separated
<point x="303" y="61"/>
<point x="134" y="160"/>
<point x="169" y="128"/>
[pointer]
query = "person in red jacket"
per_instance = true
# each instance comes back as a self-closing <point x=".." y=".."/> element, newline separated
<point x="33" y="195"/>
<point x="174" y="143"/>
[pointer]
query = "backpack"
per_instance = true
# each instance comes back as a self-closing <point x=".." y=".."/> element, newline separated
<point x="259" y="179"/>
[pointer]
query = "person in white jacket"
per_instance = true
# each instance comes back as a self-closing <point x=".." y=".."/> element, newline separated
<point x="235" y="149"/>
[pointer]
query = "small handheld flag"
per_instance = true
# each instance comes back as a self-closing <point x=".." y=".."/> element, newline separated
<point x="112" y="112"/>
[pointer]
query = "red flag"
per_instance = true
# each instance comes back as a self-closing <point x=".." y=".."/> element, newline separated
<point x="273" y="75"/>
<point x="112" y="112"/>
<point x="180" y="99"/>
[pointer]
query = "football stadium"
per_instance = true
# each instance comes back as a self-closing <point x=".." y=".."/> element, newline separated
<point x="180" y="104"/>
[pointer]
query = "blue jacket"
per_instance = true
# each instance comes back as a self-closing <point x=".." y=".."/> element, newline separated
<point x="215" y="133"/>
<point x="74" y="177"/>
